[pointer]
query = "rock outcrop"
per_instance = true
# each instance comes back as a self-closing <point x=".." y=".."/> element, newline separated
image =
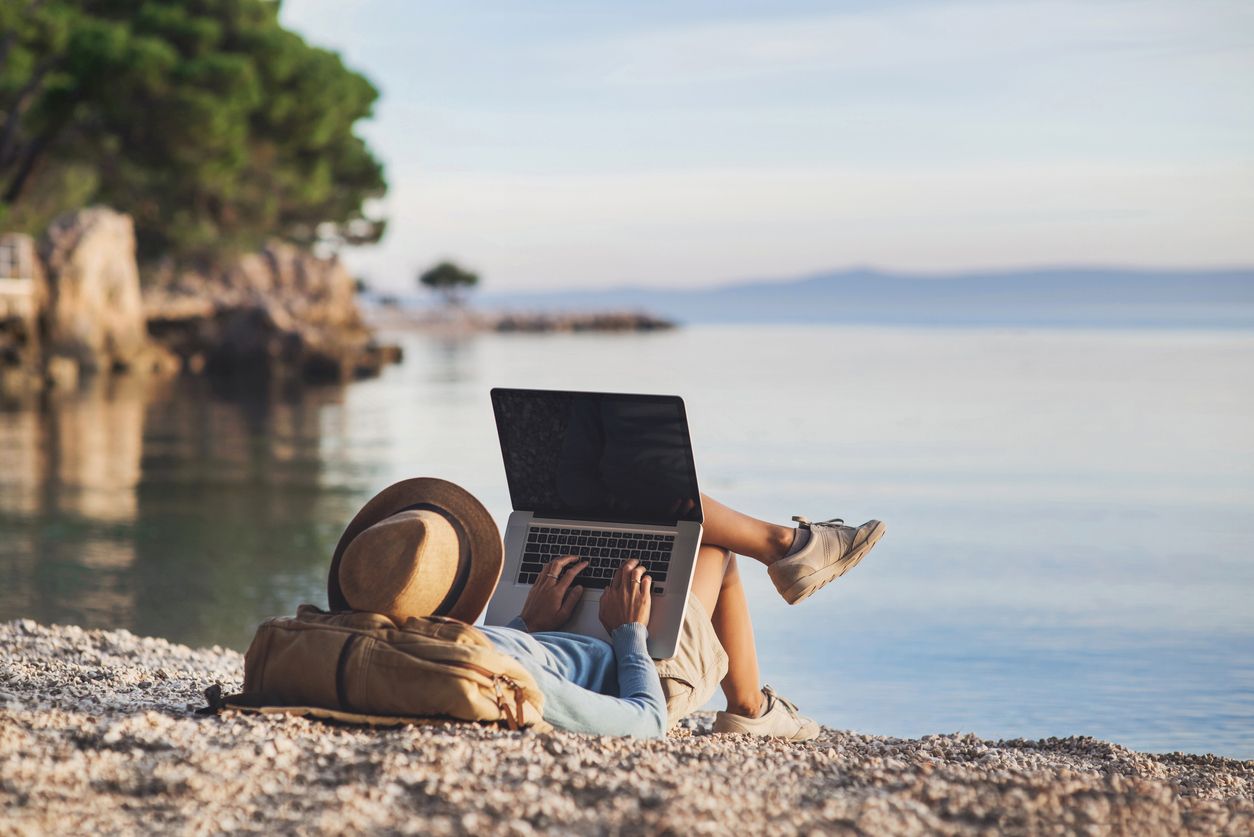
<point x="388" y="313"/>
<point x="585" y="321"/>
<point x="283" y="313"/>
<point x="73" y="305"/>
<point x="95" y="313"/>
<point x="23" y="297"/>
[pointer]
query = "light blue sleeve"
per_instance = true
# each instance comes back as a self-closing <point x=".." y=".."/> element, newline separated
<point x="640" y="709"/>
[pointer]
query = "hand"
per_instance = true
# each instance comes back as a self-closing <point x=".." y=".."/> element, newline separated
<point x="628" y="598"/>
<point x="552" y="600"/>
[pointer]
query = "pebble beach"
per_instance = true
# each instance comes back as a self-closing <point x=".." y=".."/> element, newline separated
<point x="97" y="735"/>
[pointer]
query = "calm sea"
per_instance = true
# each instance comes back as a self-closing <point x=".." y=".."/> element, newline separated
<point x="1071" y="513"/>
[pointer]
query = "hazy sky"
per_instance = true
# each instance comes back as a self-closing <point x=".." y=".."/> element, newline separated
<point x="553" y="144"/>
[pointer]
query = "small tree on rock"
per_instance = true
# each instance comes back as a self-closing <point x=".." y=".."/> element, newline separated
<point x="450" y="282"/>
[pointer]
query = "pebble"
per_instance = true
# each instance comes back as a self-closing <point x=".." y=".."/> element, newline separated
<point x="95" y="730"/>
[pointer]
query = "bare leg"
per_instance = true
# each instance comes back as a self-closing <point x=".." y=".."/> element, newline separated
<point x="716" y="583"/>
<point x="742" y="534"/>
<point x="743" y="684"/>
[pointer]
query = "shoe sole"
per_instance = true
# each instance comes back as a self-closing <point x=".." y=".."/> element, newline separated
<point x="802" y="588"/>
<point x="742" y="731"/>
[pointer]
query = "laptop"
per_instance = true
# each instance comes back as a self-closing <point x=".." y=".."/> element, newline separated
<point x="607" y="477"/>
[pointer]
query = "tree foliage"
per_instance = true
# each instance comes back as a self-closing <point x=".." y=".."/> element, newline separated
<point x="450" y="281"/>
<point x="204" y="119"/>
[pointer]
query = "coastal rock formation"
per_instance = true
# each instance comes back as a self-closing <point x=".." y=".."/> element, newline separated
<point x="574" y="322"/>
<point x="23" y="297"/>
<point x="388" y="313"/>
<point x="96" y="730"/>
<point x="281" y="313"/>
<point x="95" y="313"/>
<point x="74" y="305"/>
<point x="71" y="305"/>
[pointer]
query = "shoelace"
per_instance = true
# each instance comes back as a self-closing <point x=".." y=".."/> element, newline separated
<point x="805" y="521"/>
<point x="772" y="697"/>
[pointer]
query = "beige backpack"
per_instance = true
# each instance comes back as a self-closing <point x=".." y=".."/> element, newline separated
<point x="363" y="668"/>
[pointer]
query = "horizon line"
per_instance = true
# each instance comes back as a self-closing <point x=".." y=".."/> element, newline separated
<point x="923" y="276"/>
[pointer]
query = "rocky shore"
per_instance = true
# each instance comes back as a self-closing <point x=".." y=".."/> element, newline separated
<point x="96" y="736"/>
<point x="576" y="322"/>
<point x="393" y="317"/>
<point x="281" y="313"/>
<point x="73" y="306"/>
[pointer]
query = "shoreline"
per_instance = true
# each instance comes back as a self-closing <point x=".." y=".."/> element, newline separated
<point x="471" y="321"/>
<point x="96" y="735"/>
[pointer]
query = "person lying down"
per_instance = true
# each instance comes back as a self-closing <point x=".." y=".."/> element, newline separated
<point x="432" y="545"/>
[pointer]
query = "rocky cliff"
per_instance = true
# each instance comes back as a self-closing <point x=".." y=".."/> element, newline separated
<point x="282" y="314"/>
<point x="73" y="305"/>
<point x="95" y="314"/>
<point x="23" y="296"/>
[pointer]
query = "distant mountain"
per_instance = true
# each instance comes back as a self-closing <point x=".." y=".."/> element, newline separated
<point x="1060" y="296"/>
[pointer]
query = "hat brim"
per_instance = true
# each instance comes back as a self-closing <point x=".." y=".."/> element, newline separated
<point x="486" y="553"/>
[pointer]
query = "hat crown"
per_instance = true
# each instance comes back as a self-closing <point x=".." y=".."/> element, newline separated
<point x="405" y="565"/>
<point x="438" y="551"/>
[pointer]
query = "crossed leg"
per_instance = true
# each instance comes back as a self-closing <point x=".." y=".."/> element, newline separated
<point x="742" y="534"/>
<point x="716" y="584"/>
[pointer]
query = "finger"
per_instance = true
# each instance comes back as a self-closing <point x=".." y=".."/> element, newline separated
<point x="620" y="574"/>
<point x="637" y="573"/>
<point x="554" y="569"/>
<point x="568" y="578"/>
<point x="559" y="565"/>
<point x="568" y="604"/>
<point x="646" y="587"/>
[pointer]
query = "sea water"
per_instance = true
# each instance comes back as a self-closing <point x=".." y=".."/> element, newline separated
<point x="1070" y="545"/>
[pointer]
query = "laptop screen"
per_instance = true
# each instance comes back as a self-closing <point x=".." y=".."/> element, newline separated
<point x="597" y="456"/>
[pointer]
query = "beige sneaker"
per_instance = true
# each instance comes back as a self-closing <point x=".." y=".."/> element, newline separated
<point x="833" y="550"/>
<point x="779" y="719"/>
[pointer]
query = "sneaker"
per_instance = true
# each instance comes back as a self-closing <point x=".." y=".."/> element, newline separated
<point x="779" y="719"/>
<point x="833" y="550"/>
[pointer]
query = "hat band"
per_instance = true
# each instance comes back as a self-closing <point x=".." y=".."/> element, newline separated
<point x="463" y="556"/>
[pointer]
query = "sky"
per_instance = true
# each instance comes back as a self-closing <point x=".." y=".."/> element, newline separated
<point x="594" y="144"/>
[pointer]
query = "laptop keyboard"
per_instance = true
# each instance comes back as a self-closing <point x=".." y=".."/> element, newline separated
<point x="604" y="550"/>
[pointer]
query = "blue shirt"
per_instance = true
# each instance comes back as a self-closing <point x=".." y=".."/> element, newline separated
<point x="590" y="685"/>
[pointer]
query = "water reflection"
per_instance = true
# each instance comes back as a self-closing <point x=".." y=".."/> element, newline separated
<point x="69" y="494"/>
<point x="451" y="358"/>
<point x="170" y="509"/>
<point x="1069" y="550"/>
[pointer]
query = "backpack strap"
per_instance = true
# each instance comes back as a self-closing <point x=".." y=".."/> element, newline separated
<point x="216" y="701"/>
<point x="515" y="717"/>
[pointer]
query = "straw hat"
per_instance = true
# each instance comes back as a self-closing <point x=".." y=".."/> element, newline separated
<point x="421" y="547"/>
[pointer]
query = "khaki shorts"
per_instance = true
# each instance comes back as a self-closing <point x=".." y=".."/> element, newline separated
<point x="699" y="665"/>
